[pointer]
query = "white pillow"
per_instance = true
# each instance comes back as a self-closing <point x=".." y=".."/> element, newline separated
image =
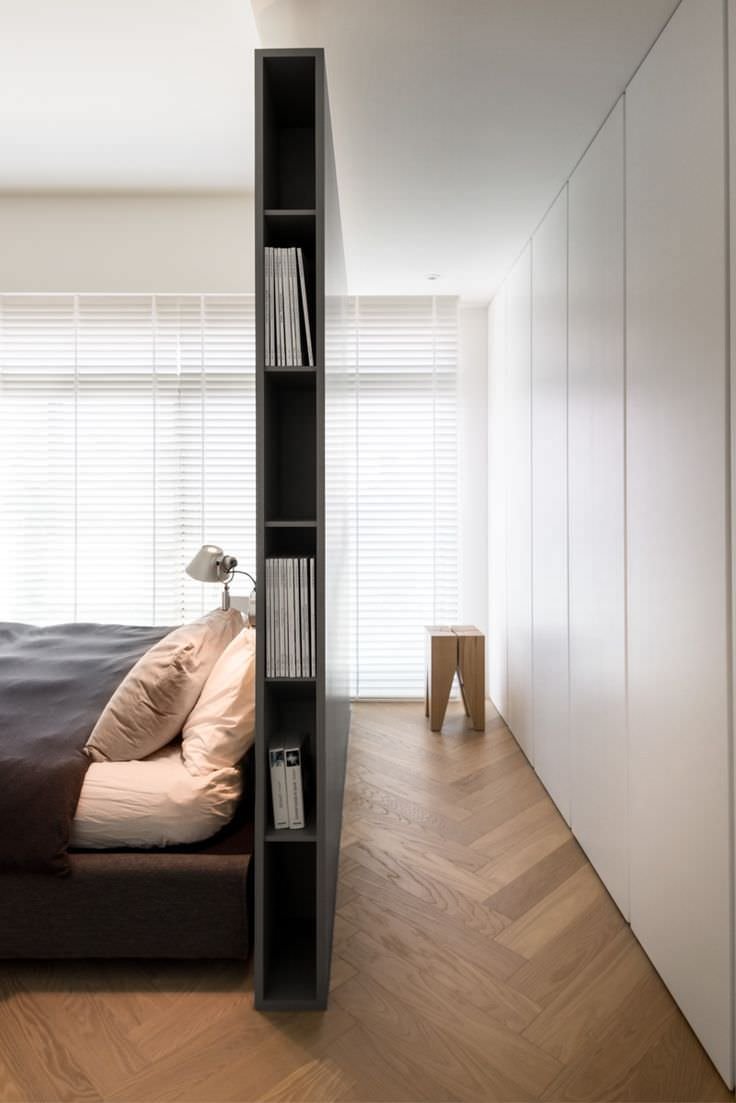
<point x="221" y="726"/>
<point x="156" y="802"/>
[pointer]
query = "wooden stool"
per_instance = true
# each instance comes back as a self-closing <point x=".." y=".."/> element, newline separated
<point x="456" y="649"/>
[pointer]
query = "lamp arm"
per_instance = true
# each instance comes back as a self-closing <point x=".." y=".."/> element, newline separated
<point x="247" y="575"/>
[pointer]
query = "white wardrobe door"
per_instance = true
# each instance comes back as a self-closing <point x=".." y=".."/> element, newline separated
<point x="497" y="670"/>
<point x="677" y="519"/>
<point x="596" y="488"/>
<point x="518" y="502"/>
<point x="549" y="504"/>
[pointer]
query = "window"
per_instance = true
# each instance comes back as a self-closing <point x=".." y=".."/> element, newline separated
<point x="406" y="487"/>
<point x="127" y="439"/>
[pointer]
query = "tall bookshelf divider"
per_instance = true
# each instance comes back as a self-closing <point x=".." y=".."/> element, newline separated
<point x="295" y="869"/>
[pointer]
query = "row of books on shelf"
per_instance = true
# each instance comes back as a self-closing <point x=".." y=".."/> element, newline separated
<point x="287" y="312"/>
<point x="290" y="604"/>
<point x="287" y="763"/>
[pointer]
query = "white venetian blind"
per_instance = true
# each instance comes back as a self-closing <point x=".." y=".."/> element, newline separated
<point x="406" y="486"/>
<point x="127" y="439"/>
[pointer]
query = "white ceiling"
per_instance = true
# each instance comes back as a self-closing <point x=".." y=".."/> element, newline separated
<point x="455" y="121"/>
<point x="120" y="95"/>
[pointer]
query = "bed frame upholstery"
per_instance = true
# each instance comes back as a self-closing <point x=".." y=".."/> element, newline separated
<point x="181" y="902"/>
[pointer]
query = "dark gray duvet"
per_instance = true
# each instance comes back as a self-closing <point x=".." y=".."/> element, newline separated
<point x="54" y="683"/>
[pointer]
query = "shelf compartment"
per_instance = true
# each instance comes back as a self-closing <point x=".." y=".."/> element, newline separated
<point x="296" y="229"/>
<point x="290" y="963"/>
<point x="291" y="450"/>
<point x="289" y="133"/>
<point x="290" y="708"/>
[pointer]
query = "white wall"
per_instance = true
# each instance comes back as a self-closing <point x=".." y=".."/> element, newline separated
<point x="549" y="505"/>
<point x="643" y="391"/>
<point x="597" y="508"/>
<point x="127" y="243"/>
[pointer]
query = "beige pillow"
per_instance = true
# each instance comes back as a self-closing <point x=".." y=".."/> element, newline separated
<point x="149" y="707"/>
<point x="221" y="727"/>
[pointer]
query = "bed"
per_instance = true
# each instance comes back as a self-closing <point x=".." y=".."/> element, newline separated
<point x="64" y="891"/>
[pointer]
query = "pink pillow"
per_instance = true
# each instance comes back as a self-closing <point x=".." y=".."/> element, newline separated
<point x="150" y="705"/>
<point x="221" y="726"/>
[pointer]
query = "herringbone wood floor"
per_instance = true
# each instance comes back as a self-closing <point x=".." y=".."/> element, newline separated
<point x="477" y="957"/>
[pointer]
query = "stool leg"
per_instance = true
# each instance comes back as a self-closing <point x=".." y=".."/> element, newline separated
<point x="471" y="662"/>
<point x="443" y="663"/>
<point x="463" y="693"/>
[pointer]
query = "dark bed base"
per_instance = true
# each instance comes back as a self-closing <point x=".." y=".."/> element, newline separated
<point x="129" y="905"/>
<point x="182" y="902"/>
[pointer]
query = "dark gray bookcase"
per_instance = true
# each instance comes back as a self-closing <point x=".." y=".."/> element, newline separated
<point x="296" y="205"/>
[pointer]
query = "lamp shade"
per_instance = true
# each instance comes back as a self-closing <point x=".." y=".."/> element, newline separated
<point x="207" y="564"/>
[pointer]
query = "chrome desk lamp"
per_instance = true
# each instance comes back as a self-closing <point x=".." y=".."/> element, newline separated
<point x="210" y="564"/>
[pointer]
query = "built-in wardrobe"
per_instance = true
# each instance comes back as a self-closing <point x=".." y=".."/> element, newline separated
<point x="610" y="444"/>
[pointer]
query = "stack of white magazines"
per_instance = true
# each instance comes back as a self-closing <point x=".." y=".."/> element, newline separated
<point x="290" y="603"/>
<point x="287" y="313"/>
<point x="285" y="759"/>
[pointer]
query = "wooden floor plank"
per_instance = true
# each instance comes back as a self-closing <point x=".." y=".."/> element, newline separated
<point x="411" y="858"/>
<point x="537" y="881"/>
<point x="601" y="1072"/>
<point x="373" y="828"/>
<point x="536" y="928"/>
<point x="504" y="785"/>
<point x="312" y="1082"/>
<point x="524" y="855"/>
<point x="472" y="936"/>
<point x="517" y="830"/>
<point x="511" y="1057"/>
<point x="10" y="1089"/>
<point x="384" y="872"/>
<point x="581" y="1013"/>
<point x="431" y="794"/>
<point x="556" y="966"/>
<point x="380" y="1071"/>
<point x="675" y="1069"/>
<point x="447" y="1063"/>
<point x="469" y="978"/>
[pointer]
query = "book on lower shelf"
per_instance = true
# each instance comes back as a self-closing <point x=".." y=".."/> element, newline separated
<point x="288" y="770"/>
<point x="290" y="617"/>
<point x="277" y="771"/>
<point x="286" y="309"/>
<point x="293" y="765"/>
